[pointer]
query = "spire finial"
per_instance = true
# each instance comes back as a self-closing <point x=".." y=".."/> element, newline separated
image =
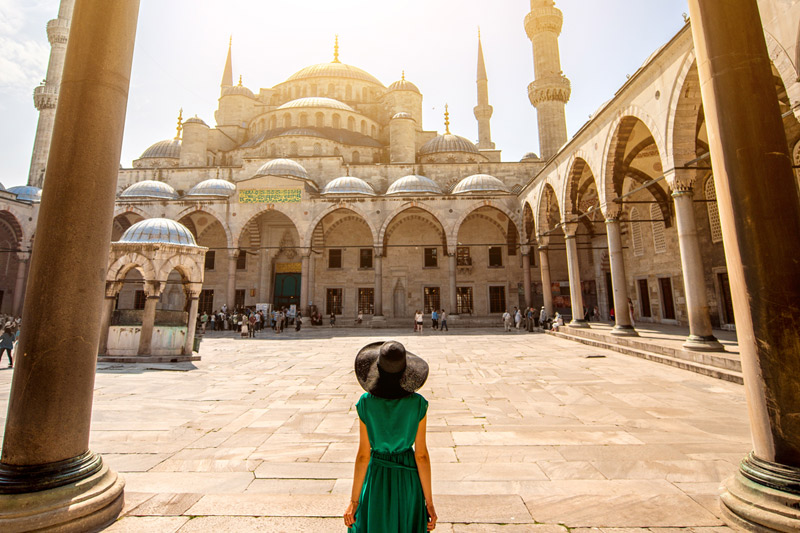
<point x="479" y="33"/>
<point x="447" y="119"/>
<point x="403" y="77"/>
<point x="230" y="41"/>
<point x="336" y="50"/>
<point x="180" y="124"/>
<point x="240" y="80"/>
<point x="227" y="73"/>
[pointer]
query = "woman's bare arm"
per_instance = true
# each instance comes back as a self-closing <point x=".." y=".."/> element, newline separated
<point x="360" y="470"/>
<point x="424" y="469"/>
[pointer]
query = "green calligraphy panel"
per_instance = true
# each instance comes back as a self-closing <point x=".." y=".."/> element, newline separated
<point x="270" y="196"/>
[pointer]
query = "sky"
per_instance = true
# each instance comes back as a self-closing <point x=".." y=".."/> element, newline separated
<point x="181" y="47"/>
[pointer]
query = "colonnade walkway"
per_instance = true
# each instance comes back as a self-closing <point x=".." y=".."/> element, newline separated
<point x="527" y="432"/>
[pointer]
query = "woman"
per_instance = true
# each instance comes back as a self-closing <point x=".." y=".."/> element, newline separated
<point x="418" y="321"/>
<point x="7" y="343"/>
<point x="298" y="321"/>
<point x="391" y="481"/>
<point x="333" y="319"/>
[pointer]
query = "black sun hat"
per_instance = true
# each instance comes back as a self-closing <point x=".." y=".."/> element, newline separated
<point x="386" y="370"/>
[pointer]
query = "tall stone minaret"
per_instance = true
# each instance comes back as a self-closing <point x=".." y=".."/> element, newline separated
<point x="550" y="92"/>
<point x="483" y="111"/>
<point x="45" y="96"/>
<point x="227" y="74"/>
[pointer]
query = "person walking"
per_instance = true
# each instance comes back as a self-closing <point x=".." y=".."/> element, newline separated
<point x="204" y="321"/>
<point x="392" y="474"/>
<point x="434" y="319"/>
<point x="253" y="325"/>
<point x="298" y="321"/>
<point x="333" y="319"/>
<point x="530" y="319"/>
<point x="418" y="321"/>
<point x="507" y="320"/>
<point x="444" y="321"/>
<point x="543" y="318"/>
<point x="7" y="344"/>
<point x="517" y="318"/>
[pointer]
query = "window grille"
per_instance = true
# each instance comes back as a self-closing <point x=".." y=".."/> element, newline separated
<point x="659" y="240"/>
<point x="636" y="233"/>
<point x="713" y="210"/>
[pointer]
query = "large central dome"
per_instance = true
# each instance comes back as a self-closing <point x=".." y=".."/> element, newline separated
<point x="334" y="70"/>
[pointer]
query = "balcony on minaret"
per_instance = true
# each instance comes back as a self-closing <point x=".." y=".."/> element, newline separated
<point x="550" y="89"/>
<point x="58" y="31"/>
<point x="45" y="97"/>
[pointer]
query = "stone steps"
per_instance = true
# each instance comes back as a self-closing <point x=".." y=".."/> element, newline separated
<point x="713" y="365"/>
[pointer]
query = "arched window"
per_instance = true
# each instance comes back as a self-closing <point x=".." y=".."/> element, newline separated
<point x="348" y="92"/>
<point x="659" y="241"/>
<point x="351" y="124"/>
<point x="317" y="149"/>
<point x="337" y="121"/>
<point x="713" y="210"/>
<point x="320" y="120"/>
<point x="636" y="233"/>
<point x="374" y="131"/>
<point x="363" y="127"/>
<point x="331" y="91"/>
<point x="293" y="149"/>
<point x="287" y="120"/>
<point x="303" y="120"/>
<point x="356" y="157"/>
<point x="272" y="122"/>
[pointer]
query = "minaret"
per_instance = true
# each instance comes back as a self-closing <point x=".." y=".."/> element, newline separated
<point x="45" y="96"/>
<point x="227" y="74"/>
<point x="550" y="92"/>
<point x="483" y="111"/>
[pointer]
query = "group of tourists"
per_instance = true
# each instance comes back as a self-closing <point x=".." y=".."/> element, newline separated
<point x="438" y="320"/>
<point x="248" y="322"/>
<point x="9" y="337"/>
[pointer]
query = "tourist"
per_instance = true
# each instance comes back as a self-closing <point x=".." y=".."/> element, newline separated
<point x="213" y="320"/>
<point x="434" y="319"/>
<point x="244" y="328"/>
<point x="333" y="319"/>
<point x="517" y="318"/>
<point x="203" y="321"/>
<point x="596" y="313"/>
<point x="7" y="343"/>
<point x="611" y="316"/>
<point x="543" y="319"/>
<point x="443" y="318"/>
<point x="530" y="319"/>
<point x="391" y="480"/>
<point x="507" y="320"/>
<point x="359" y="318"/>
<point x="253" y="321"/>
<point x="630" y="311"/>
<point x="418" y="321"/>
<point x="298" y="321"/>
<point x="558" y="321"/>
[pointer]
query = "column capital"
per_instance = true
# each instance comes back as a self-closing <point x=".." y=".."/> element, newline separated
<point x="525" y="249"/>
<point x="544" y="241"/>
<point x="377" y="251"/>
<point x="570" y="228"/>
<point x="193" y="290"/>
<point x="233" y="254"/>
<point x="680" y="180"/>
<point x="153" y="289"/>
<point x="113" y="288"/>
<point x="23" y="257"/>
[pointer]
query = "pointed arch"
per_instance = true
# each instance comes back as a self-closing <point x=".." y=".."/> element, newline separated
<point x="404" y="207"/>
<point x="513" y="217"/>
<point x="309" y="235"/>
<point x="213" y="213"/>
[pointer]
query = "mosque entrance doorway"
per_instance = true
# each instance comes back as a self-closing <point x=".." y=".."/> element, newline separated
<point x="287" y="285"/>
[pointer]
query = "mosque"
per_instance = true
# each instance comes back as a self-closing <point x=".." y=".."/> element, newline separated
<point x="326" y="192"/>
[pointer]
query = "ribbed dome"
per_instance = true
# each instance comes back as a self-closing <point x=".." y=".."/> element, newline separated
<point x="237" y="90"/>
<point x="158" y="230"/>
<point x="402" y="114"/>
<point x="164" y="149"/>
<point x="448" y="143"/>
<point x="349" y="185"/>
<point x="414" y="184"/>
<point x="27" y="193"/>
<point x="282" y="167"/>
<point x="195" y="120"/>
<point x="480" y="183"/>
<point x="404" y="85"/>
<point x="2" y="187"/>
<point x="213" y="187"/>
<point x="529" y="156"/>
<point x="334" y="70"/>
<point x="317" y="101"/>
<point x="150" y="189"/>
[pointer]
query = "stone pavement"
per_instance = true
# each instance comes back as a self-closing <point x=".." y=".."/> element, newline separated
<point x="527" y="433"/>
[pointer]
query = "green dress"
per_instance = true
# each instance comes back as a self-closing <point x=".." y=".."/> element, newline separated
<point x="391" y="499"/>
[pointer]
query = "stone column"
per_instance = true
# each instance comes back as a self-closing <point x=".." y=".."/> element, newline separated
<point x="153" y="292"/>
<point x="49" y="480"/>
<point x="526" y="274"/>
<point x="233" y="255"/>
<point x="301" y="307"/>
<point x="191" y="324"/>
<point x="312" y="265"/>
<point x="378" y="320"/>
<point x="619" y="280"/>
<point x="547" y="289"/>
<point x="264" y="276"/>
<point x="112" y="290"/>
<point x="451" y="260"/>
<point x="760" y="217"/>
<point x="573" y="266"/>
<point x="19" y="286"/>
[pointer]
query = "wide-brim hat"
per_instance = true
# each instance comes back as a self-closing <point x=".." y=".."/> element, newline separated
<point x="387" y="370"/>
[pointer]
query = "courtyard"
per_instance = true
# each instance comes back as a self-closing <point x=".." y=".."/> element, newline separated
<point x="527" y="433"/>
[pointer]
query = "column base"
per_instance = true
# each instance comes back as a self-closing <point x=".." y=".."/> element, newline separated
<point x="378" y="322"/>
<point x="762" y="497"/>
<point x="698" y="343"/>
<point x="88" y="505"/>
<point x="624" y="331"/>
<point x="575" y="323"/>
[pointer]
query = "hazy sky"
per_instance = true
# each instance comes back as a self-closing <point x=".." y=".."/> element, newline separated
<point x="181" y="47"/>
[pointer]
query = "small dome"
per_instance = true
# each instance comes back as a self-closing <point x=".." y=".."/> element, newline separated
<point x="448" y="143"/>
<point x="350" y="186"/>
<point x="158" y="230"/>
<point x="164" y="149"/>
<point x="403" y="114"/>
<point x="150" y="189"/>
<point x="317" y="101"/>
<point x="480" y="183"/>
<point x="414" y="184"/>
<point x="282" y="167"/>
<point x="237" y="90"/>
<point x="2" y="187"/>
<point x="404" y="85"/>
<point x="27" y="193"/>
<point x="529" y="156"/>
<point x="334" y="70"/>
<point x="195" y="120"/>
<point x="213" y="187"/>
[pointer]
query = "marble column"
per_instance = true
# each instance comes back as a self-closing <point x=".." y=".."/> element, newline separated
<point x="265" y="269"/>
<point x="378" y="284"/>
<point x="303" y="303"/>
<point x="526" y="275"/>
<point x="622" y="315"/>
<point x="153" y="291"/>
<point x="49" y="479"/>
<point x="19" y="286"/>
<point x="191" y="324"/>
<point x="233" y="256"/>
<point x="547" y="289"/>
<point x="312" y="267"/>
<point x="112" y="290"/>
<point x="451" y="261"/>
<point x="760" y="218"/>
<point x="701" y="336"/>
<point x="573" y="266"/>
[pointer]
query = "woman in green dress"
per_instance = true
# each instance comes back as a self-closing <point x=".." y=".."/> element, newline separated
<point x="392" y="480"/>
